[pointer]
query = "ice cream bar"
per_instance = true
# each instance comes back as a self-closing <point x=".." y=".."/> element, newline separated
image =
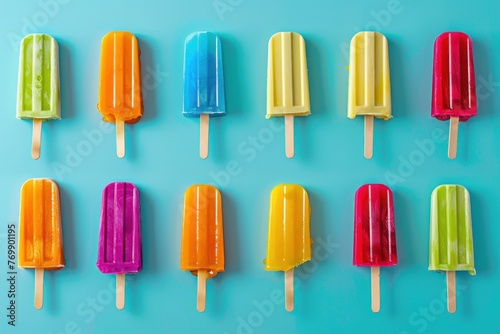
<point x="374" y="233"/>
<point x="287" y="82"/>
<point x="454" y="84"/>
<point x="204" y="95"/>
<point x="120" y="249"/>
<point x="369" y="82"/>
<point x="451" y="244"/>
<point x="40" y="231"/>
<point x="202" y="249"/>
<point x="38" y="92"/>
<point x="120" y="97"/>
<point x="289" y="241"/>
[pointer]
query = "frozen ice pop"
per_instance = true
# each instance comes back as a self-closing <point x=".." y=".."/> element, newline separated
<point x="120" y="97"/>
<point x="287" y="82"/>
<point x="289" y="241"/>
<point x="204" y="95"/>
<point x="38" y="92"/>
<point x="40" y="231"/>
<point x="369" y="82"/>
<point x="453" y="84"/>
<point x="120" y="248"/>
<point x="451" y="245"/>
<point x="202" y="249"/>
<point x="374" y="233"/>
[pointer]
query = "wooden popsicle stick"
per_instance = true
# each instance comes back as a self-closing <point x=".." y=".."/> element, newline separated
<point x="120" y="291"/>
<point x="452" y="292"/>
<point x="452" y="140"/>
<point x="38" y="288"/>
<point x="289" y="137"/>
<point x="375" y="289"/>
<point x="368" y="136"/>
<point x="36" y="139"/>
<point x="202" y="290"/>
<point x="204" y="128"/>
<point x="120" y="138"/>
<point x="289" y="297"/>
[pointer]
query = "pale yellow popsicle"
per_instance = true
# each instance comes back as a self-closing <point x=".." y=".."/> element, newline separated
<point x="287" y="82"/>
<point x="369" y="82"/>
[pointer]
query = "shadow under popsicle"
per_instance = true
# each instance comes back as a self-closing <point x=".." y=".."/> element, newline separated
<point x="152" y="79"/>
<point x="486" y="84"/>
<point x="51" y="143"/>
<point x="482" y="237"/>
<point x="134" y="300"/>
<point x="232" y="256"/>
<point x="234" y="98"/>
<point x="316" y="64"/>
<point x="305" y="274"/>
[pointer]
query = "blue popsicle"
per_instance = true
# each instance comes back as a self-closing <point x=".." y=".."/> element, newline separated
<point x="203" y="82"/>
<point x="203" y="76"/>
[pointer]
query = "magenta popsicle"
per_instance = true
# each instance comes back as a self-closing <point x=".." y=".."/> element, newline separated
<point x="454" y="84"/>
<point x="374" y="233"/>
<point x="120" y="250"/>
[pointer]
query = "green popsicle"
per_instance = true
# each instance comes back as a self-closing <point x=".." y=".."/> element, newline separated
<point x="38" y="96"/>
<point x="451" y="245"/>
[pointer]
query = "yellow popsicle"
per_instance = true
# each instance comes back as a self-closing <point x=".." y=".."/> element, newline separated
<point x="369" y="82"/>
<point x="289" y="241"/>
<point x="287" y="82"/>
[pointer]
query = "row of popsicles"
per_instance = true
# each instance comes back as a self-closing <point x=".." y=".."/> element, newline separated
<point x="120" y="97"/>
<point x="202" y="246"/>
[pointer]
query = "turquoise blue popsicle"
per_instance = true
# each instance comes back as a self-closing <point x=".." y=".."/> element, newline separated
<point x="203" y="82"/>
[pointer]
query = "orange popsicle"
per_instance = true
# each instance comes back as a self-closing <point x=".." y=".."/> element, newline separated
<point x="40" y="233"/>
<point x="120" y="97"/>
<point x="202" y="249"/>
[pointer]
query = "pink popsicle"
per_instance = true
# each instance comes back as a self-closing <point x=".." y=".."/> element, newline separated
<point x="453" y="85"/>
<point x="120" y="250"/>
<point x="374" y="233"/>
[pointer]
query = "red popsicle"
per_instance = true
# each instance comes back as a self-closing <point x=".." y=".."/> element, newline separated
<point x="374" y="233"/>
<point x="453" y="85"/>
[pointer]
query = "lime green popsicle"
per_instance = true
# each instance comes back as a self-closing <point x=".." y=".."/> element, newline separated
<point x="451" y="245"/>
<point x="38" y="96"/>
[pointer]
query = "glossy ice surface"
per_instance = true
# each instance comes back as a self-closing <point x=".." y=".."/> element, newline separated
<point x="120" y="242"/>
<point x="202" y="245"/>
<point x="38" y="92"/>
<point x="374" y="228"/>
<point x="203" y="76"/>
<point x="451" y="244"/>
<point x="289" y="241"/>
<point x="453" y="84"/>
<point x="369" y="76"/>
<point x="40" y="231"/>
<point x="287" y="78"/>
<point x="120" y="94"/>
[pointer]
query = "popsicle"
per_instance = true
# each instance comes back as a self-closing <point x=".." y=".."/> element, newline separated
<point x="453" y="84"/>
<point x="287" y="82"/>
<point x="120" y="243"/>
<point x="369" y="82"/>
<point x="202" y="248"/>
<point x="451" y="244"/>
<point x="120" y="97"/>
<point x="204" y="95"/>
<point x="374" y="233"/>
<point x="289" y="241"/>
<point x="38" y="90"/>
<point x="40" y="231"/>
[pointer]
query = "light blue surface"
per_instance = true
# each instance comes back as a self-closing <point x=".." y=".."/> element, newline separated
<point x="247" y="160"/>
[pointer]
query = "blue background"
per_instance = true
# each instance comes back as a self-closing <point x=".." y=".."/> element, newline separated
<point x="162" y="160"/>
